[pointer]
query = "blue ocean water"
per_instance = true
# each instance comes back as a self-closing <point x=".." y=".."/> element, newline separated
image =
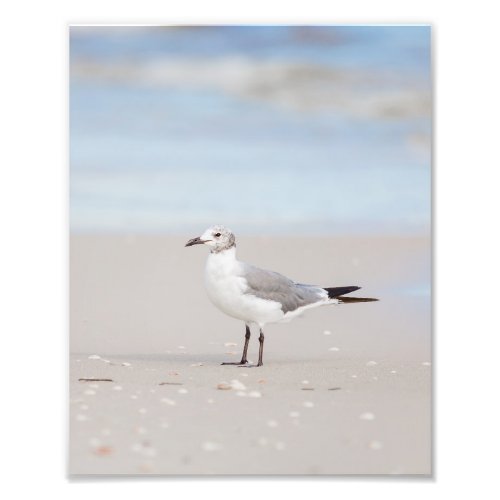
<point x="264" y="129"/>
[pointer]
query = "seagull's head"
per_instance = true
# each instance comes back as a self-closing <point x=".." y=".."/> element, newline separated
<point x="218" y="238"/>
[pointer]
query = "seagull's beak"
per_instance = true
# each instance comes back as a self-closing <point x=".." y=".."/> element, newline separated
<point x="194" y="241"/>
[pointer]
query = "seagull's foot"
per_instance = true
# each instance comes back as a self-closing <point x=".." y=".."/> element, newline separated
<point x="250" y="366"/>
<point x="236" y="363"/>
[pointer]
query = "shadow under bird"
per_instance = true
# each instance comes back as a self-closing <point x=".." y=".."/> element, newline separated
<point x="257" y="296"/>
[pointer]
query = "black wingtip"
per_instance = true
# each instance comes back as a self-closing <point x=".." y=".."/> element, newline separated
<point x="340" y="290"/>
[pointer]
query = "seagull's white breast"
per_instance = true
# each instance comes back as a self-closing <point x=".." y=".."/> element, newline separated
<point x="226" y="288"/>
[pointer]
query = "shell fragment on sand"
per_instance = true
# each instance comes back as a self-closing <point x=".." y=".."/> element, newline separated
<point x="234" y="384"/>
<point x="211" y="446"/>
<point x="367" y="416"/>
<point x="168" y="401"/>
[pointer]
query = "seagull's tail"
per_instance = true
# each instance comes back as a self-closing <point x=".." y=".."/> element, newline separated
<point x="339" y="291"/>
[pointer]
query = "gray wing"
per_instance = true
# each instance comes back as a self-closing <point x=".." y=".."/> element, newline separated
<point x="269" y="285"/>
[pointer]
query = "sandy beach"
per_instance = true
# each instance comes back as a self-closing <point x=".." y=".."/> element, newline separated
<point x="343" y="390"/>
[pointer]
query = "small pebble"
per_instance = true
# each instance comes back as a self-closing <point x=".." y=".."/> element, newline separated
<point x="94" y="356"/>
<point x="371" y="363"/>
<point x="254" y="394"/>
<point x="262" y="441"/>
<point x="308" y="404"/>
<point x="334" y="349"/>
<point x="224" y="386"/>
<point x="327" y="332"/>
<point x="394" y="371"/>
<point x="230" y="344"/>
<point x="146" y="468"/>
<point x="181" y="347"/>
<point x="94" y="441"/>
<point x="305" y="382"/>
<point x="211" y="446"/>
<point x="81" y="418"/>
<point x="294" y="414"/>
<point x="182" y="391"/>
<point x="367" y="416"/>
<point x="103" y="451"/>
<point x="375" y="445"/>
<point x="89" y="392"/>
<point x="117" y="388"/>
<point x="134" y="396"/>
<point x="126" y="364"/>
<point x="272" y="423"/>
<point x="197" y="364"/>
<point x="210" y="401"/>
<point x="354" y="376"/>
<point x="426" y="363"/>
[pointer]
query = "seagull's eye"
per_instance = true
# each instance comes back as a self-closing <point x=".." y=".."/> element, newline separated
<point x="217" y="235"/>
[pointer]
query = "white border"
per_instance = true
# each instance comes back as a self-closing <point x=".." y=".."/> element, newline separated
<point x="33" y="208"/>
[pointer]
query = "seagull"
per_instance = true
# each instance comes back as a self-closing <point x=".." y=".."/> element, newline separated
<point x="256" y="296"/>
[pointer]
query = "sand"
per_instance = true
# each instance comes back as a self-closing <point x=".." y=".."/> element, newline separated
<point x="343" y="390"/>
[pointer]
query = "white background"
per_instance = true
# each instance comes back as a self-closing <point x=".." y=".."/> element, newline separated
<point x="34" y="253"/>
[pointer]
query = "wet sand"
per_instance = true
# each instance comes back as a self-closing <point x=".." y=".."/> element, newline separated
<point x="343" y="390"/>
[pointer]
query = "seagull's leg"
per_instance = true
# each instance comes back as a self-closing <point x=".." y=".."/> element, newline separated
<point x="261" y="347"/>
<point x="244" y="359"/>
<point x="261" y="351"/>
<point x="245" y="349"/>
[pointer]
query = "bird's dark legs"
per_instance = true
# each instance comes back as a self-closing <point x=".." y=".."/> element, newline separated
<point x="244" y="361"/>
<point x="261" y="347"/>
<point x="261" y="351"/>
<point x="245" y="349"/>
